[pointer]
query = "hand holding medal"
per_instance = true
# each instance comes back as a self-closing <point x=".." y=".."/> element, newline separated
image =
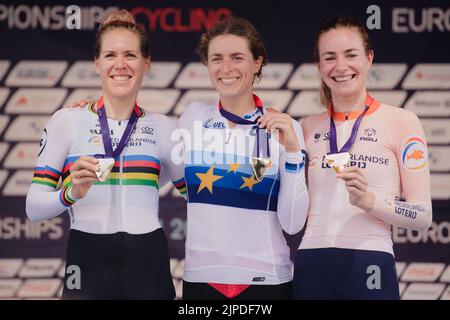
<point x="82" y="174"/>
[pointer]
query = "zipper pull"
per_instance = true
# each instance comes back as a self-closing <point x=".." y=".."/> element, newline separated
<point x="346" y="115"/>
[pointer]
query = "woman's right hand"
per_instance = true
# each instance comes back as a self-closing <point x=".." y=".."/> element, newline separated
<point x="82" y="174"/>
<point x="77" y="104"/>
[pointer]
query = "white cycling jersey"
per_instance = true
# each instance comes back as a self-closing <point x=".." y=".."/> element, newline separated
<point x="235" y="222"/>
<point x="128" y="200"/>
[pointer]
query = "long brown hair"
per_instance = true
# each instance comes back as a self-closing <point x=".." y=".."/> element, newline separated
<point x="336" y="23"/>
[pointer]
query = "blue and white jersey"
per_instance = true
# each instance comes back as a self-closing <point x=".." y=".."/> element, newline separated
<point x="235" y="222"/>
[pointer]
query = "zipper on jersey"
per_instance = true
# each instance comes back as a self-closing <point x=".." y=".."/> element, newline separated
<point x="346" y="115"/>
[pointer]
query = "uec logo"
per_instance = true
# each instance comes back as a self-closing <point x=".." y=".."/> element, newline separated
<point x="216" y="125"/>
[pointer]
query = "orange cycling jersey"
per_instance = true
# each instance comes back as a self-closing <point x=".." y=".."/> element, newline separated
<point x="390" y="148"/>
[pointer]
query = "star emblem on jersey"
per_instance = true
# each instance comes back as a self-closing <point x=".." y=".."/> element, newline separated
<point x="234" y="167"/>
<point x="207" y="179"/>
<point x="248" y="182"/>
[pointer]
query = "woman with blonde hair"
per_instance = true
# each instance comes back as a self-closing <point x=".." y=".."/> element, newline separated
<point x="109" y="157"/>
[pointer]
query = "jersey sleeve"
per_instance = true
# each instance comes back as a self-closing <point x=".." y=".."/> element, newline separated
<point x="172" y="166"/>
<point x="44" y="200"/>
<point x="293" y="199"/>
<point x="410" y="147"/>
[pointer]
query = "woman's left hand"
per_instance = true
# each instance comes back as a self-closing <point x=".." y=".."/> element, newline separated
<point x="274" y="119"/>
<point x="356" y="184"/>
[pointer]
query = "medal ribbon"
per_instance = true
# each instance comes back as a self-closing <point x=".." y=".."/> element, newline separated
<point x="239" y="120"/>
<point x="351" y="140"/>
<point x="109" y="153"/>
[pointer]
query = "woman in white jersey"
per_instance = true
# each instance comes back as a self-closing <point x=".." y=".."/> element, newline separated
<point x="367" y="170"/>
<point x="244" y="172"/>
<point x="109" y="157"/>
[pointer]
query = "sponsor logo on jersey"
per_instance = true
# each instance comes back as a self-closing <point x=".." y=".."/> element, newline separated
<point x="98" y="131"/>
<point x="369" y="135"/>
<point x="43" y="142"/>
<point x="321" y="137"/>
<point x="414" y="154"/>
<point x="95" y="141"/>
<point x="146" y="130"/>
<point x="133" y="142"/>
<point x="210" y="123"/>
<point x="361" y="161"/>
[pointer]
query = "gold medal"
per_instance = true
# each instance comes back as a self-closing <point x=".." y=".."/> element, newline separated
<point x="338" y="161"/>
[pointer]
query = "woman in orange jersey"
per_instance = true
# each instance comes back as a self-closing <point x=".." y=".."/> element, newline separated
<point x="368" y="170"/>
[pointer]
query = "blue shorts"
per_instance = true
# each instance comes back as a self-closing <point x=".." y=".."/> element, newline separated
<point x="334" y="273"/>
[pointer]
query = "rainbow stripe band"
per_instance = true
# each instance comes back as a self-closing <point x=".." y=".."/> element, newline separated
<point x="64" y="197"/>
<point x="136" y="170"/>
<point x="180" y="185"/>
<point x="47" y="176"/>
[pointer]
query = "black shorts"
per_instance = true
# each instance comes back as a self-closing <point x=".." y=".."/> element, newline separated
<point x="118" y="266"/>
<point x="203" y="291"/>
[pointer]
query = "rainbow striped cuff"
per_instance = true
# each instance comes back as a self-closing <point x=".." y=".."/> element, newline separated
<point x="180" y="185"/>
<point x="65" y="196"/>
